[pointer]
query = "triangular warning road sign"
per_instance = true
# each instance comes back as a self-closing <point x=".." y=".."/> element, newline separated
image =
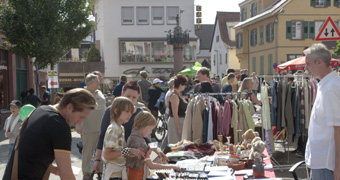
<point x="329" y="31"/>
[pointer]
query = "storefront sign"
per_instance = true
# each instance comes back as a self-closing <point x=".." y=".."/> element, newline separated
<point x="69" y="80"/>
<point x="3" y="67"/>
<point x="136" y="71"/>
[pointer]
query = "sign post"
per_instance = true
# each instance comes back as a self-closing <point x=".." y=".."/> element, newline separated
<point x="329" y="31"/>
<point x="53" y="81"/>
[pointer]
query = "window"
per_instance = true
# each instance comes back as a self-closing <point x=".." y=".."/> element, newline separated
<point x="221" y="59"/>
<point x="153" y="51"/>
<point x="214" y="60"/>
<point x="261" y="35"/>
<point x="217" y="38"/>
<point x="171" y="14"/>
<point x="260" y="6"/>
<point x="253" y="9"/>
<point x="253" y="37"/>
<point x="321" y="3"/>
<point x="226" y="58"/>
<point x="254" y="64"/>
<point x="297" y="29"/>
<point x="127" y="15"/>
<point x="243" y="14"/>
<point x="239" y="39"/>
<point x="270" y="63"/>
<point x="262" y="65"/>
<point x="142" y="15"/>
<point x="336" y="3"/>
<point x="270" y="32"/>
<point x="293" y="56"/>
<point x="157" y="15"/>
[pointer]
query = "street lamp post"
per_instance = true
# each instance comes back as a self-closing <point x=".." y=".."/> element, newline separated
<point x="178" y="38"/>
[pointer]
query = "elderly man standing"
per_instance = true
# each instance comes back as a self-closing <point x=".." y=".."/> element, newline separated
<point x="91" y="125"/>
<point x="323" y="145"/>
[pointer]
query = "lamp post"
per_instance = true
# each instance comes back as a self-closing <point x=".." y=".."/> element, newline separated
<point x="178" y="38"/>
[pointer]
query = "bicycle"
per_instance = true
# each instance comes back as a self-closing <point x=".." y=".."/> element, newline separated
<point x="161" y="128"/>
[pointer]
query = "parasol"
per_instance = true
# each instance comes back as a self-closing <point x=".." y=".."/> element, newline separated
<point x="299" y="63"/>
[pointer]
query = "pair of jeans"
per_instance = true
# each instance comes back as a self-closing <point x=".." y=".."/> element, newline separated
<point x="10" y="149"/>
<point x="321" y="174"/>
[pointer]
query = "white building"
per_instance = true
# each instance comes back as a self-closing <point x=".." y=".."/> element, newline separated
<point x="132" y="35"/>
<point x="223" y="49"/>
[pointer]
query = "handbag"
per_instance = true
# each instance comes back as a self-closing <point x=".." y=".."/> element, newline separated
<point x="98" y="174"/>
<point x="14" y="174"/>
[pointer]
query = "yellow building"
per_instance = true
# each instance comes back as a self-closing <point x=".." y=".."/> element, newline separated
<point x="275" y="31"/>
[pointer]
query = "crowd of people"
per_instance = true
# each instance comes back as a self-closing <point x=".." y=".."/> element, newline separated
<point x="118" y="133"/>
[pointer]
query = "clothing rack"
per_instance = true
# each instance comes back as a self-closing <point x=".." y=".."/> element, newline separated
<point x="222" y="94"/>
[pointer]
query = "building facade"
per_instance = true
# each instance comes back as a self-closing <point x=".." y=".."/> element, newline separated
<point x="132" y="36"/>
<point x="222" y="49"/>
<point x="205" y="36"/>
<point x="275" y="31"/>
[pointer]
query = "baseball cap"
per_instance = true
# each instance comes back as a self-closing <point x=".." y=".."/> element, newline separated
<point x="155" y="81"/>
<point x="43" y="86"/>
<point x="16" y="103"/>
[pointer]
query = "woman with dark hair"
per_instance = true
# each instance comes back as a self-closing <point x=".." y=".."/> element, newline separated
<point x="177" y="106"/>
<point x="131" y="90"/>
<point x="206" y="87"/>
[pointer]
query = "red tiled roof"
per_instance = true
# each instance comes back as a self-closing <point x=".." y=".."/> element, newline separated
<point x="222" y="18"/>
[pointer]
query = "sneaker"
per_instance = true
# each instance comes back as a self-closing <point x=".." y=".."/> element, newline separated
<point x="299" y="154"/>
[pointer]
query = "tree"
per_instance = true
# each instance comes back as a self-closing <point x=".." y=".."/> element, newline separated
<point x="93" y="54"/>
<point x="44" y="28"/>
<point x="337" y="49"/>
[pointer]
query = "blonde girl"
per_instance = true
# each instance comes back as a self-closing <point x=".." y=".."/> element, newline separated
<point x="247" y="86"/>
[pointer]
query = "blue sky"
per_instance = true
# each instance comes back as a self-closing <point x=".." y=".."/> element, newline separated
<point x="209" y="8"/>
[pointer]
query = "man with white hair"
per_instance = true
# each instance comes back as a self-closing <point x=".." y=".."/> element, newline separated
<point x="323" y="145"/>
<point x="91" y="125"/>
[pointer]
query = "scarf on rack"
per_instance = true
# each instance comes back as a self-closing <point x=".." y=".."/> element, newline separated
<point x="9" y="127"/>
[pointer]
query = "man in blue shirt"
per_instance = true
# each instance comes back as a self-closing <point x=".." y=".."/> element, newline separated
<point x="117" y="91"/>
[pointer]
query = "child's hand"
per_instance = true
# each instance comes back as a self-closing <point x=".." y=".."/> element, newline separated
<point x="137" y="153"/>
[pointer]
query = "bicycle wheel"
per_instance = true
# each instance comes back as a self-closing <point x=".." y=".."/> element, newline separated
<point x="161" y="129"/>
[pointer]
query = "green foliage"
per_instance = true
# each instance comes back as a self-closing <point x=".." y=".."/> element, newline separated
<point x="337" y="49"/>
<point x="93" y="54"/>
<point x="44" y="28"/>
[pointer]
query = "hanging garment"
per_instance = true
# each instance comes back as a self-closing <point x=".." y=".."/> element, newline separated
<point x="243" y="126"/>
<point x="249" y="111"/>
<point x="284" y="100"/>
<point x="302" y="106"/>
<point x="187" y="125"/>
<point x="220" y="121"/>
<point x="197" y="125"/>
<point x="273" y="107"/>
<point x="214" y="119"/>
<point x="308" y="108"/>
<point x="234" y="122"/>
<point x="296" y="109"/>
<point x="226" y="119"/>
<point x="210" y="124"/>
<point x="266" y="122"/>
<point x="279" y="106"/>
<point x="205" y="125"/>
<point x="289" y="111"/>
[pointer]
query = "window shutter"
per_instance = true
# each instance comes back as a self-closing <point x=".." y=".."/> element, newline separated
<point x="262" y="65"/>
<point x="289" y="29"/>
<point x="255" y="9"/>
<point x="251" y="38"/>
<point x="270" y="63"/>
<point x="305" y="29"/>
<point x="311" y="30"/>
<point x="267" y="32"/>
<point x="241" y="39"/>
<point x="255" y="37"/>
<point x="312" y="3"/>
<point x="254" y="64"/>
<point x="272" y="32"/>
<point x="237" y="41"/>
<point x="336" y="3"/>
<point x="328" y="3"/>
<point x="251" y="10"/>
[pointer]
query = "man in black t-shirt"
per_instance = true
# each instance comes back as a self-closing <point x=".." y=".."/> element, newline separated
<point x="46" y="96"/>
<point x="46" y="137"/>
